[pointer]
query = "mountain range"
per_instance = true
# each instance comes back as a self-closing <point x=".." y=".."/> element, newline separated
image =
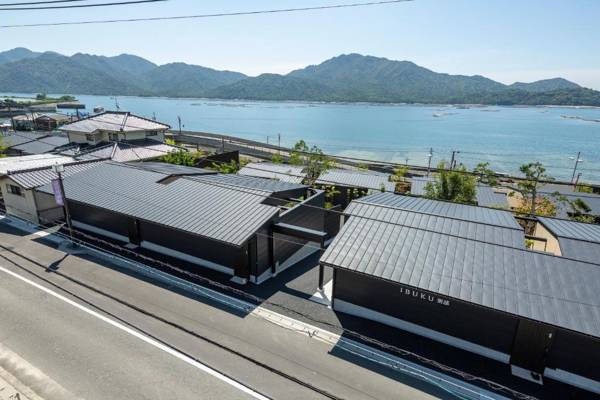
<point x="345" y="78"/>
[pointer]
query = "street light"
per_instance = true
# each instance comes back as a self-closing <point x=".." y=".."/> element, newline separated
<point x="577" y="161"/>
<point x="429" y="161"/>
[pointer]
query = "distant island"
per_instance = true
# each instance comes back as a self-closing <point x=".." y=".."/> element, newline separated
<point x="345" y="78"/>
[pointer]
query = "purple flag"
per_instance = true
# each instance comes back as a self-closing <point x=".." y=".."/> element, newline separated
<point x="58" y="194"/>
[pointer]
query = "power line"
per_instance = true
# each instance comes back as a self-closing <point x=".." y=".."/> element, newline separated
<point x="216" y="15"/>
<point x="121" y="3"/>
<point x="40" y="2"/>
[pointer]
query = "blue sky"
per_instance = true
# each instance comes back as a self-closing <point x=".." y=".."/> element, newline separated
<point x="506" y="40"/>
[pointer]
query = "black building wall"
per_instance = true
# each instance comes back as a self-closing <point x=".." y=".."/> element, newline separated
<point x="211" y="250"/>
<point x="570" y="351"/>
<point x="100" y="218"/>
<point x="468" y="322"/>
<point x="197" y="246"/>
<point x="575" y="353"/>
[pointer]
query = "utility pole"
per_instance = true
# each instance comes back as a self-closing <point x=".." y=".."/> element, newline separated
<point x="279" y="143"/>
<point x="453" y="161"/>
<point x="577" y="180"/>
<point x="179" y="122"/>
<point x="429" y="161"/>
<point x="60" y="196"/>
<point x="406" y="161"/>
<point x="267" y="139"/>
<point x="222" y="144"/>
<point x="577" y="161"/>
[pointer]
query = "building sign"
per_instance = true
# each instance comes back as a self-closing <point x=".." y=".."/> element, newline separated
<point x="58" y="194"/>
<point x="424" y="296"/>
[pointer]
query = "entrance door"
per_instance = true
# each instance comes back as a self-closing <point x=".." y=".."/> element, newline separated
<point x="531" y="345"/>
<point x="135" y="236"/>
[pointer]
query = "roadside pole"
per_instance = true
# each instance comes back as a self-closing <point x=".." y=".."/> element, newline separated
<point x="429" y="162"/>
<point x="59" y="195"/>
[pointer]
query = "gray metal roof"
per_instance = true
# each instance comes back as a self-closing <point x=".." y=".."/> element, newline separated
<point x="220" y="213"/>
<point x="572" y="229"/>
<point x="250" y="182"/>
<point x="112" y="121"/>
<point x="591" y="199"/>
<point x="488" y="197"/>
<point x="463" y="228"/>
<point x="135" y="150"/>
<point x="359" y="179"/>
<point x="281" y="172"/>
<point x="530" y="284"/>
<point x="20" y="137"/>
<point x="417" y="184"/>
<point x="33" y="178"/>
<point x="577" y="240"/>
<point x="172" y="169"/>
<point x="444" y="209"/>
<point x="43" y="145"/>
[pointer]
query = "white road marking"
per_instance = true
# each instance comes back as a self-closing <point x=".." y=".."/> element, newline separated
<point x="138" y="335"/>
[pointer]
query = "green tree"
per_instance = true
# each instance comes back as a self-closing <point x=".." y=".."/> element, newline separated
<point x="226" y="168"/>
<point x="277" y="159"/>
<point x="181" y="156"/>
<point x="579" y="211"/>
<point x="529" y="187"/>
<point x="41" y="96"/>
<point x="313" y="159"/>
<point x="452" y="185"/>
<point x="485" y="175"/>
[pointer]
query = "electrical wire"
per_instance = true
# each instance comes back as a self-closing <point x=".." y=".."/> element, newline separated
<point x="120" y="3"/>
<point x="40" y="2"/>
<point x="216" y="15"/>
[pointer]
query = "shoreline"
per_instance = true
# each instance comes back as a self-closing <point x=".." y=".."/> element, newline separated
<point x="358" y="103"/>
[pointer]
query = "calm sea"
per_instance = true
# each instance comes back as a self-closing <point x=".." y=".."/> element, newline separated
<point x="504" y="136"/>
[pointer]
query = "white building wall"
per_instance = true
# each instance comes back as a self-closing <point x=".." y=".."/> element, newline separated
<point x="21" y="206"/>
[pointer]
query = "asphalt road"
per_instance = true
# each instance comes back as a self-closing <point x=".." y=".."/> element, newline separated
<point x="105" y="334"/>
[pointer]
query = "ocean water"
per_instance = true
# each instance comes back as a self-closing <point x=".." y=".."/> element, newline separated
<point x="506" y="137"/>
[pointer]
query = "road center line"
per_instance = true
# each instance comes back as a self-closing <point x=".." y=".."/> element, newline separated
<point x="144" y="338"/>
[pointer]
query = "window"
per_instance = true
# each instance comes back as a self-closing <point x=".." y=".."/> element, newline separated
<point x="90" y="138"/>
<point x="114" y="137"/>
<point x="14" y="189"/>
<point x="151" y="133"/>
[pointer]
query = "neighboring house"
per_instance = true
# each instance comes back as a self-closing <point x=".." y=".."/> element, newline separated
<point x="281" y="172"/>
<point x="350" y="184"/>
<point x="570" y="239"/>
<point x="114" y="126"/>
<point x="33" y="142"/>
<point x="25" y="122"/>
<point x="135" y="150"/>
<point x="199" y="218"/>
<point x="20" y="175"/>
<point x="461" y="275"/>
<point x="51" y="121"/>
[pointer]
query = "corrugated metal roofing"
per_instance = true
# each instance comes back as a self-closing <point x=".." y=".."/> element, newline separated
<point x="529" y="284"/>
<point x="32" y="161"/>
<point x="249" y="182"/>
<point x="38" y="177"/>
<point x="281" y="172"/>
<point x="43" y="145"/>
<point x="17" y="138"/>
<point x="359" y="179"/>
<point x="172" y="169"/>
<point x="188" y="204"/>
<point x="577" y="240"/>
<point x="444" y="209"/>
<point x="114" y="122"/>
<point x="137" y="150"/>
